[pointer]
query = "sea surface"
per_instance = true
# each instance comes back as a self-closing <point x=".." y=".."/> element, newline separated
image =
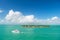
<point x="50" y="33"/>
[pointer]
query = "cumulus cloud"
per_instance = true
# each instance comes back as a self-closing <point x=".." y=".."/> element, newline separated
<point x="16" y="17"/>
<point x="54" y="20"/>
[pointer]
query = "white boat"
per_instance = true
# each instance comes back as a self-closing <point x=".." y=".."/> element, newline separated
<point x="15" y="31"/>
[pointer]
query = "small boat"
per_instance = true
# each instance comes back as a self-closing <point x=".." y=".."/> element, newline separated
<point x="15" y="31"/>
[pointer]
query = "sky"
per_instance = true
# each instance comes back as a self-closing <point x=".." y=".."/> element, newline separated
<point x="33" y="9"/>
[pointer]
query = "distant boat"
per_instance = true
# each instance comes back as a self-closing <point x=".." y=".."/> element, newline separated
<point x="15" y="31"/>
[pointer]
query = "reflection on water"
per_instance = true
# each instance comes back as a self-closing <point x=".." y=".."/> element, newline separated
<point x="51" y="33"/>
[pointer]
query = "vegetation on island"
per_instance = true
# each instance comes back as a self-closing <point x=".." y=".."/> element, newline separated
<point x="35" y="26"/>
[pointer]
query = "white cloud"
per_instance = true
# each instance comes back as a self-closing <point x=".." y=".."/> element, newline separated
<point x="54" y="20"/>
<point x="16" y="17"/>
<point x="1" y="11"/>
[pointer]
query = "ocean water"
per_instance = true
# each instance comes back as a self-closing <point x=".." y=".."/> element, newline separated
<point x="50" y="33"/>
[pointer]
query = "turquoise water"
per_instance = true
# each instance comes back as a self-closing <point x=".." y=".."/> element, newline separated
<point x="51" y="33"/>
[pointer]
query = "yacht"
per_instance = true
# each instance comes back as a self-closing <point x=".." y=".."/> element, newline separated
<point x="15" y="31"/>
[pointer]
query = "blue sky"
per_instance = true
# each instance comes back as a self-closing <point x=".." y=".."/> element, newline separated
<point x="40" y="8"/>
<point x="30" y="11"/>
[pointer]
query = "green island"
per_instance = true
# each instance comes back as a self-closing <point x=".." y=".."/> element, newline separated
<point x="35" y="26"/>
